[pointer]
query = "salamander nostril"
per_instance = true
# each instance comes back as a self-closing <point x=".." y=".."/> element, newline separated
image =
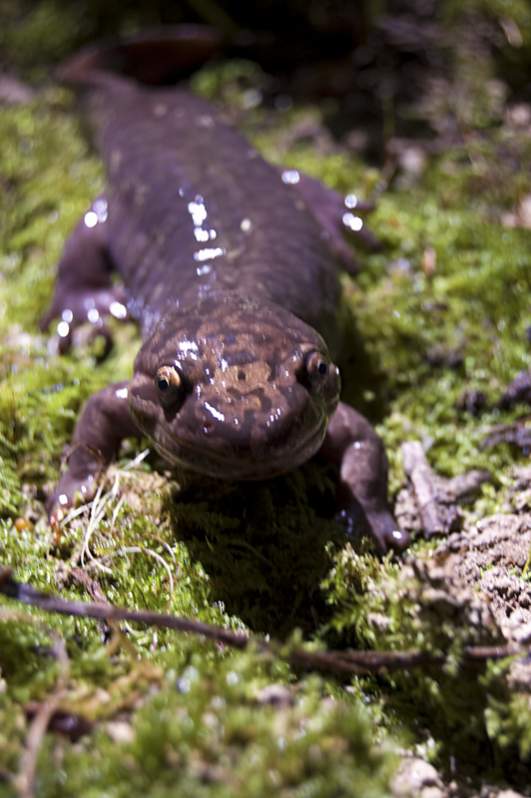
<point x="241" y="375"/>
<point x="208" y="426"/>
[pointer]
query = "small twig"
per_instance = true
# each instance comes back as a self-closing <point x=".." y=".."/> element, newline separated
<point x="337" y="663"/>
<point x="139" y="458"/>
<point x="436" y="496"/>
<point x="517" y="392"/>
<point x="518" y="433"/>
<point x="25" y="780"/>
<point x="102" y="611"/>
<point x="92" y="587"/>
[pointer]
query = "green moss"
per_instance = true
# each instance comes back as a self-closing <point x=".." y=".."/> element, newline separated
<point x="206" y="732"/>
<point x="274" y="536"/>
<point x="509" y="724"/>
<point x="44" y="28"/>
<point x="386" y="606"/>
<point x="269" y="557"/>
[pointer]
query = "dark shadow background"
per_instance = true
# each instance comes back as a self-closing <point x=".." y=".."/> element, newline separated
<point x="377" y="57"/>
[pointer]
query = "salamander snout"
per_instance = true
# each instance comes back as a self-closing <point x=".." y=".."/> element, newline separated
<point x="255" y="420"/>
<point x="246" y="396"/>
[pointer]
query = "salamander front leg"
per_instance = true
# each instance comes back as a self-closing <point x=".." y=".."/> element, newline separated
<point x="352" y="444"/>
<point x="104" y="422"/>
<point x="84" y="291"/>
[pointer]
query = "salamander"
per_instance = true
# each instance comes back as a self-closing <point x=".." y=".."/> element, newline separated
<point x="231" y="268"/>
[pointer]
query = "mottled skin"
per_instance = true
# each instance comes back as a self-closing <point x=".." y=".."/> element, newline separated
<point x="231" y="268"/>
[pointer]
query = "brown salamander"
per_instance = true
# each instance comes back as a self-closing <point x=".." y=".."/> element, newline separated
<point x="231" y="267"/>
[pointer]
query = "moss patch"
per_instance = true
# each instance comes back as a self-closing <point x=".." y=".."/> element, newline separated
<point x="173" y="713"/>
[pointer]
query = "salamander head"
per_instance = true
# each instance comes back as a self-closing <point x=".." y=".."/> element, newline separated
<point x="234" y="389"/>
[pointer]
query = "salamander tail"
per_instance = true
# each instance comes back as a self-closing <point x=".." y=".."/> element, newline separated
<point x="156" y="57"/>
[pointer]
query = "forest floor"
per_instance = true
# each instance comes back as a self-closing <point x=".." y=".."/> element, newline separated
<point x="437" y="327"/>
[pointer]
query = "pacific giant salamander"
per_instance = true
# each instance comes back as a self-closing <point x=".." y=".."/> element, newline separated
<point x="231" y="267"/>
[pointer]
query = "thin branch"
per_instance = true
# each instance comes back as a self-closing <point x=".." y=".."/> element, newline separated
<point x="337" y="663"/>
<point x="107" y="612"/>
<point x="25" y="780"/>
<point x="437" y="496"/>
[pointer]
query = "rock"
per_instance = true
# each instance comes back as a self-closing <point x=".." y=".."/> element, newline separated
<point x="489" y="558"/>
<point x="519" y="115"/>
<point x="120" y="731"/>
<point x="416" y="778"/>
<point x="278" y="695"/>
<point x="13" y="91"/>
<point x="523" y="213"/>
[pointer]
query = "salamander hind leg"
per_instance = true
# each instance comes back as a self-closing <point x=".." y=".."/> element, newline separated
<point x="84" y="291"/>
<point x="352" y="444"/>
<point x="340" y="217"/>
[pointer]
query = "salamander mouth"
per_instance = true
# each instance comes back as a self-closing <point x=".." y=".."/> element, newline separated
<point x="243" y="466"/>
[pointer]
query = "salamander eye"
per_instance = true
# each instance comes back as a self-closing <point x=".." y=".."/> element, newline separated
<point x="317" y="368"/>
<point x="170" y="385"/>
